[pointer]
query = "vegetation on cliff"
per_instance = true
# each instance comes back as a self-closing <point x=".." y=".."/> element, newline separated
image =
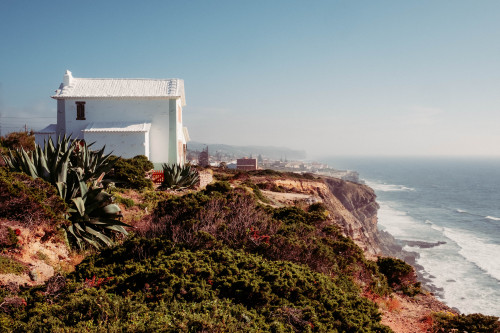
<point x="156" y="285"/>
<point x="216" y="260"/>
<point x="221" y="216"/>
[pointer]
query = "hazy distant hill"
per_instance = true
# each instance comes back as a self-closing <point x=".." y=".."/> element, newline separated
<point x="246" y="151"/>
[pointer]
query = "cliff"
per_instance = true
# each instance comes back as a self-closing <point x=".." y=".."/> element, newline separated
<point x="352" y="206"/>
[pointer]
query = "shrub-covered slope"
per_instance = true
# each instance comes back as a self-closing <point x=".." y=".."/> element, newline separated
<point x="156" y="285"/>
<point x="215" y="261"/>
<point x="221" y="216"/>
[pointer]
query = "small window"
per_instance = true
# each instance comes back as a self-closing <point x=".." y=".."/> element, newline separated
<point x="80" y="110"/>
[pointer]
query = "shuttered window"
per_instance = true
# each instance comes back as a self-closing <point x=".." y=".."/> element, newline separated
<point x="80" y="110"/>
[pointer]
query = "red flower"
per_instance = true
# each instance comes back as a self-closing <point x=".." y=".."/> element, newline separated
<point x="18" y="232"/>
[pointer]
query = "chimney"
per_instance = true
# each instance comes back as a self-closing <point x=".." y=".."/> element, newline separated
<point x="67" y="79"/>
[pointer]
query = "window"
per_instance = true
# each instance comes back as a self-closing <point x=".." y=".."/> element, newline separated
<point x="80" y="110"/>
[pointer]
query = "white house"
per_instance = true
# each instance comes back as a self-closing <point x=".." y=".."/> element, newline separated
<point x="129" y="116"/>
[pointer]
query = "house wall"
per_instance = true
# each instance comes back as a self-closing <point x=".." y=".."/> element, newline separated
<point x="181" y="140"/>
<point x="156" y="112"/>
<point x="177" y="140"/>
<point x="61" y="118"/>
<point x="41" y="138"/>
<point x="124" y="144"/>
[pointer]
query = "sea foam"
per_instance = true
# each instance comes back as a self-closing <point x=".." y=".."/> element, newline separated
<point x="477" y="250"/>
<point x="493" y="218"/>
<point x="388" y="187"/>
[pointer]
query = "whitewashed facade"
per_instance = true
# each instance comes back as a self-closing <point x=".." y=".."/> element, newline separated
<point x="129" y="116"/>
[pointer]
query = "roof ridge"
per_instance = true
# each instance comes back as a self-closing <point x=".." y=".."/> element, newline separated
<point x="110" y="78"/>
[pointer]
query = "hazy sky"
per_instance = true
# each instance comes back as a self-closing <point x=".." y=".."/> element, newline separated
<point x="331" y="77"/>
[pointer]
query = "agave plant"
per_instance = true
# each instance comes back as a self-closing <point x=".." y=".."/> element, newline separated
<point x="51" y="163"/>
<point x="69" y="166"/>
<point x="93" y="163"/>
<point x="176" y="176"/>
<point x="93" y="216"/>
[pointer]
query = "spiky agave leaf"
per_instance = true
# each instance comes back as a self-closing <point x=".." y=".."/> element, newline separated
<point x="176" y="176"/>
<point x="93" y="163"/>
<point x="93" y="217"/>
<point x="51" y="163"/>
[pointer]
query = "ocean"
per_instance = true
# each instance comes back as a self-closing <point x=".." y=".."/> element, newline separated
<point x="448" y="211"/>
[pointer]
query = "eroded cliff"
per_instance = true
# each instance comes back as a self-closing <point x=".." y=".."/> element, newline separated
<point x="352" y="206"/>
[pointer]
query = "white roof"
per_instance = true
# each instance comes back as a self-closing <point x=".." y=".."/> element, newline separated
<point x="117" y="127"/>
<point x="73" y="87"/>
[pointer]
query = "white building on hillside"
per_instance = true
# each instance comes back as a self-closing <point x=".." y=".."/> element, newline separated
<point x="129" y="116"/>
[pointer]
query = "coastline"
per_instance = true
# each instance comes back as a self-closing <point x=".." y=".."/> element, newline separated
<point x="390" y="246"/>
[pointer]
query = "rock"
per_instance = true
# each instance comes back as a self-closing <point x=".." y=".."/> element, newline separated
<point x="33" y="275"/>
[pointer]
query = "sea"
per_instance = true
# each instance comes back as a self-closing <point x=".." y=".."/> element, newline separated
<point x="447" y="210"/>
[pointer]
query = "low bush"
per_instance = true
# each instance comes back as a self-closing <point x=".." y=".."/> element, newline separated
<point x="210" y="219"/>
<point x="400" y="275"/>
<point x="157" y="285"/>
<point x="265" y="172"/>
<point x="8" y="237"/>
<point x="477" y="323"/>
<point x="151" y="198"/>
<point x="29" y="201"/>
<point x="17" y="140"/>
<point x="124" y="201"/>
<point x="131" y="172"/>
<point x="270" y="186"/>
<point x="11" y="266"/>
<point x="256" y="191"/>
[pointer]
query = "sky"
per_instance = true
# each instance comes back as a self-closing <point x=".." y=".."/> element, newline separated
<point x="383" y="78"/>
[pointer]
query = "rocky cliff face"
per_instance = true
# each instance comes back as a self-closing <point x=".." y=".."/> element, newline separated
<point x="352" y="206"/>
<point x="358" y="214"/>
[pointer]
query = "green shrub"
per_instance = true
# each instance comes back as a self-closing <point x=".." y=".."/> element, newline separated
<point x="151" y="198"/>
<point x="219" y="186"/>
<point x="29" y="201"/>
<point x="265" y="172"/>
<point x="11" y="266"/>
<point x="157" y="285"/>
<point x="256" y="191"/>
<point x="124" y="201"/>
<point x="209" y="218"/>
<point x="477" y="323"/>
<point x="400" y="275"/>
<point x="131" y="172"/>
<point x="142" y="162"/>
<point x="259" y="294"/>
<point x="18" y="140"/>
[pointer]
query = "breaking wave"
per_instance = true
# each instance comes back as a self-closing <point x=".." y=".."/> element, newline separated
<point x="477" y="250"/>
<point x="389" y="187"/>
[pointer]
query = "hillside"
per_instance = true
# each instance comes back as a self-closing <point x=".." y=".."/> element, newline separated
<point x="258" y="251"/>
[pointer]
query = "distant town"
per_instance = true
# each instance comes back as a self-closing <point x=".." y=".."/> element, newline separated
<point x="231" y="160"/>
